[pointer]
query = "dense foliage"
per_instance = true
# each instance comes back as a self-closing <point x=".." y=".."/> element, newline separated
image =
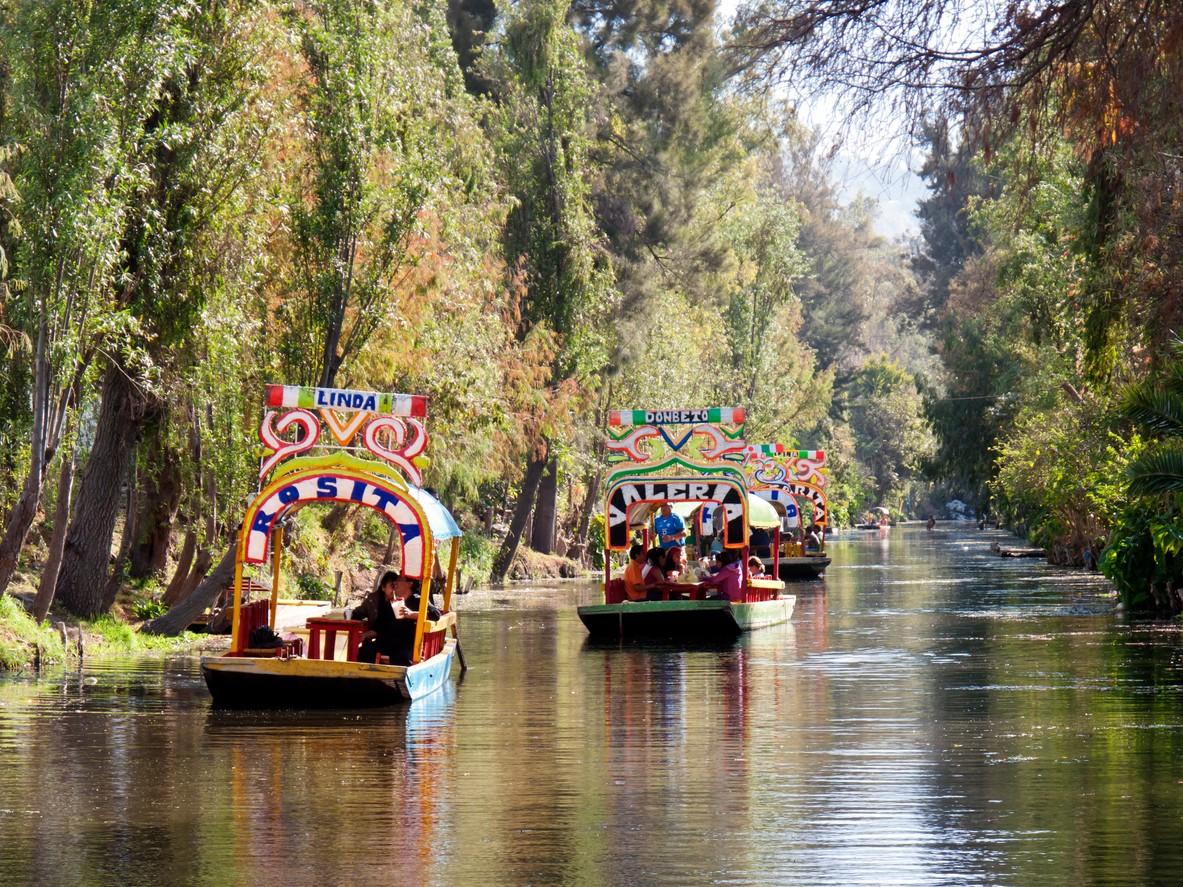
<point x="1051" y="256"/>
<point x="536" y="211"/>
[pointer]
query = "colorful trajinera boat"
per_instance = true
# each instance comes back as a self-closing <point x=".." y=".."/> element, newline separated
<point x="656" y="462"/>
<point x="382" y="473"/>
<point x="783" y="477"/>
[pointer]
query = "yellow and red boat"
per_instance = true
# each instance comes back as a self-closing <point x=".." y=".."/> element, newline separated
<point x="355" y="447"/>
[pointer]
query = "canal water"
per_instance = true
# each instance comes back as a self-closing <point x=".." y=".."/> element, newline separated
<point x="933" y="715"/>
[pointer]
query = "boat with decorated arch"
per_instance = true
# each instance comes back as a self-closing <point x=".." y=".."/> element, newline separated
<point x="680" y="458"/>
<point x="360" y="448"/>
<point x="784" y="476"/>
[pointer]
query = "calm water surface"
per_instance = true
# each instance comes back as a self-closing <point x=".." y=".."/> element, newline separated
<point x="933" y="715"/>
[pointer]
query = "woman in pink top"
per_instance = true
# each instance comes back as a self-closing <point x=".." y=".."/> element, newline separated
<point x="729" y="579"/>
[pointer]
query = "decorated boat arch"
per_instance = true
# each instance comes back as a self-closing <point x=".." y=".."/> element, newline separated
<point x="784" y="476"/>
<point x="323" y="446"/>
<point x="678" y="457"/>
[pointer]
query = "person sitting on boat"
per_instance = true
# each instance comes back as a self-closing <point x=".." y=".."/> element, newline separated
<point x="729" y="579"/>
<point x="670" y="529"/>
<point x="813" y="540"/>
<point x="672" y="564"/>
<point x="390" y="612"/>
<point x="652" y="572"/>
<point x="634" y="574"/>
<point x="756" y="567"/>
<point x="760" y="542"/>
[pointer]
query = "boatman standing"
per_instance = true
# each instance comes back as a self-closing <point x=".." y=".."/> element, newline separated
<point x="669" y="527"/>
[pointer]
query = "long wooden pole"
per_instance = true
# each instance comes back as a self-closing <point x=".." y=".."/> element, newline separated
<point x="276" y="556"/>
<point x="776" y="553"/>
<point x="424" y="595"/>
<point x="453" y="560"/>
<point x="449" y="587"/>
<point x="235" y="644"/>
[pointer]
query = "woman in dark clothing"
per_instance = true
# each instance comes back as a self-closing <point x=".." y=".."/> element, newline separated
<point x="390" y="612"/>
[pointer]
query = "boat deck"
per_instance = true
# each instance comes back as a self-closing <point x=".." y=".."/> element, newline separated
<point x="271" y="682"/>
<point x="690" y="620"/>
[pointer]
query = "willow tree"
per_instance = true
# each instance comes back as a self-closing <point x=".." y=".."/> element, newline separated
<point x="391" y="139"/>
<point x="541" y="129"/>
<point x="384" y="155"/>
<point x="1099" y="76"/>
<point x="80" y="78"/>
<point x="191" y="144"/>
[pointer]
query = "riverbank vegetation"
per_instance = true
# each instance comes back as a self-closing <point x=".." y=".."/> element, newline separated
<point x="533" y="212"/>
<point x="530" y="213"/>
<point x="1050" y="257"/>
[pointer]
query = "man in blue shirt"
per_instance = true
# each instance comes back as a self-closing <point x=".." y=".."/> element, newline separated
<point x="669" y="527"/>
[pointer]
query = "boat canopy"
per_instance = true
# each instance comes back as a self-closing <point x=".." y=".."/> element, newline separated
<point x="761" y="515"/>
<point x="780" y="492"/>
<point x="443" y="525"/>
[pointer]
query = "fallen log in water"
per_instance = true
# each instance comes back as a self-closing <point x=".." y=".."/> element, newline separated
<point x="1022" y="552"/>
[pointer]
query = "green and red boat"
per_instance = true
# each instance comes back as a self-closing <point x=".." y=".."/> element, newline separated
<point x="657" y="460"/>
<point x="784" y="477"/>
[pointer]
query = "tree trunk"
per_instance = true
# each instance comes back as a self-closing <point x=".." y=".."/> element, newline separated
<point x="579" y="538"/>
<point x="172" y="594"/>
<point x="17" y="529"/>
<point x="126" y="541"/>
<point x="203" y="596"/>
<point x="57" y="543"/>
<point x="542" y="539"/>
<point x="335" y="517"/>
<point x="87" y="557"/>
<point x="159" y="501"/>
<point x="201" y="565"/>
<point x="391" y="544"/>
<point x="525" y="504"/>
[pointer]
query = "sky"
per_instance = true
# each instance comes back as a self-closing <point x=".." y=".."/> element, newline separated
<point x="873" y="161"/>
<point x="874" y="157"/>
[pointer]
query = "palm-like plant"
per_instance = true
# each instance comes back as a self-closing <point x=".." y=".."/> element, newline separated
<point x="1144" y="558"/>
<point x="1155" y="406"/>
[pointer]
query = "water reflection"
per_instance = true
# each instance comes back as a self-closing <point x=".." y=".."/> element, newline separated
<point x="932" y="715"/>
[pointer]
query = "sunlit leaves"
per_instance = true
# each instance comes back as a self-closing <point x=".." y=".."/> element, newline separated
<point x="387" y="137"/>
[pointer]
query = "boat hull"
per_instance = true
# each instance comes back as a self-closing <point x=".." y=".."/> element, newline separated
<point x="250" y="682"/>
<point x="683" y="620"/>
<point x="802" y="567"/>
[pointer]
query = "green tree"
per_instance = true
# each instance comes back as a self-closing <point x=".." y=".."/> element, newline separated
<point x="892" y="439"/>
<point x="391" y="137"/>
<point x="189" y="149"/>
<point x="1144" y="558"/>
<point x="82" y="78"/>
<point x="541" y="130"/>
<point x="386" y="168"/>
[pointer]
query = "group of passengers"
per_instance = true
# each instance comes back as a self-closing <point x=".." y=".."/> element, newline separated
<point x="806" y="541"/>
<point x="648" y="569"/>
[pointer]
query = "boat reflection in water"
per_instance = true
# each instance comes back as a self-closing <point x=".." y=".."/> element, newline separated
<point x="376" y="774"/>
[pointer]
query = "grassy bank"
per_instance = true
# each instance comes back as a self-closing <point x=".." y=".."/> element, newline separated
<point x="20" y="637"/>
<point x="22" y="640"/>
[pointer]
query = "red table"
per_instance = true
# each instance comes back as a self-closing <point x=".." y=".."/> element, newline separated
<point x="330" y="627"/>
<point x="691" y="590"/>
